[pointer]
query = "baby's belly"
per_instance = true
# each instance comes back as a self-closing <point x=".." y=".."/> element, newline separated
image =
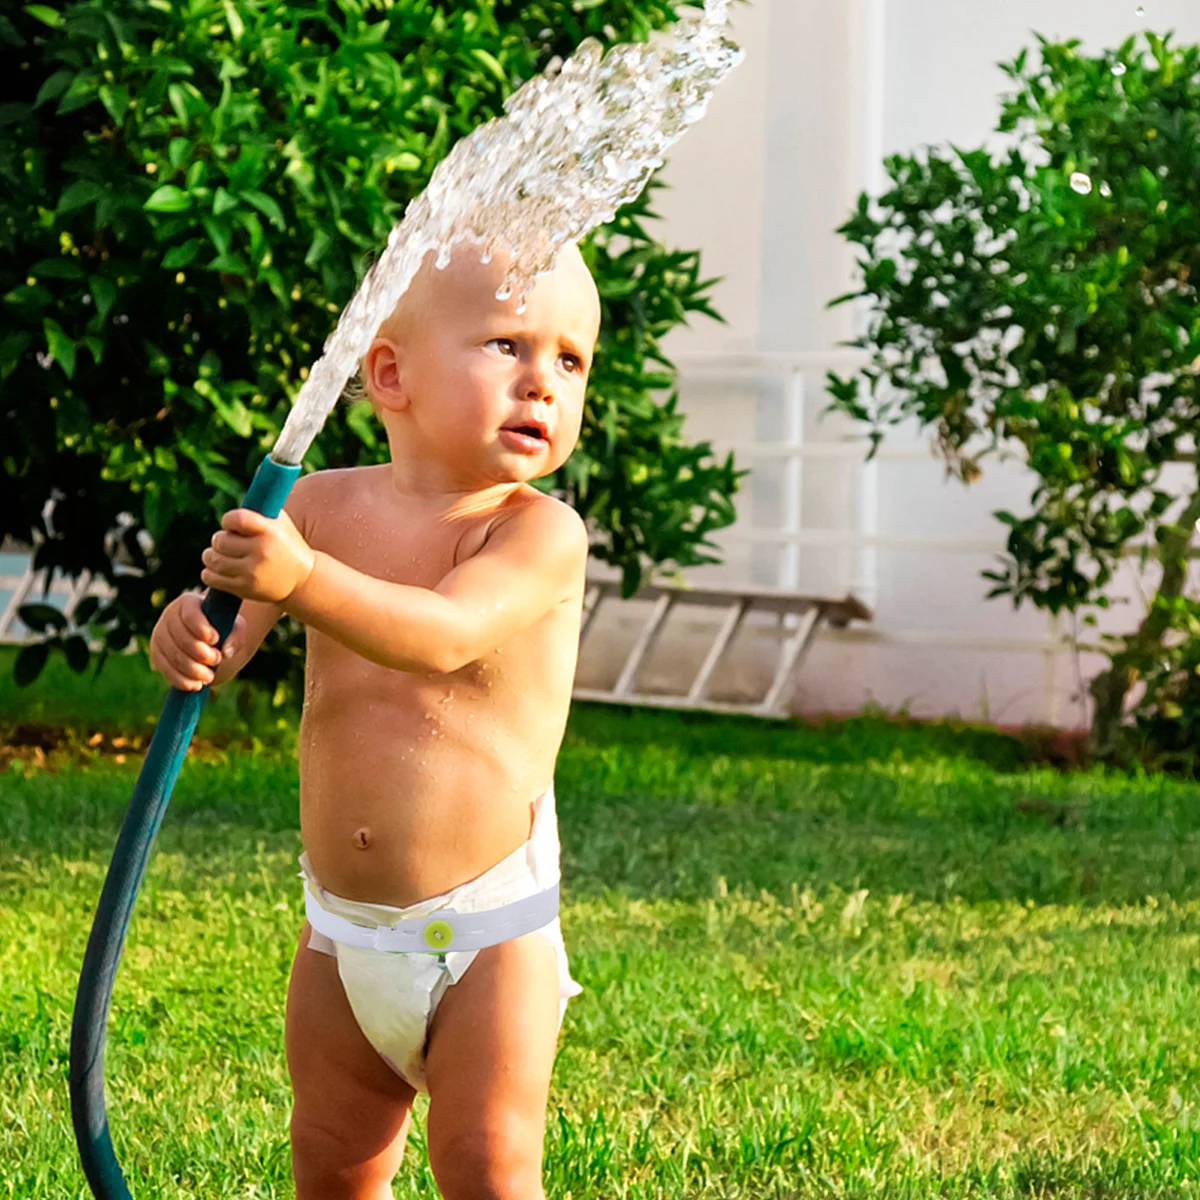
<point x="395" y="807"/>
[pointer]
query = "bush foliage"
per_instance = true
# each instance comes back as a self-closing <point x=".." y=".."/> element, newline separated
<point x="1042" y="299"/>
<point x="192" y="193"/>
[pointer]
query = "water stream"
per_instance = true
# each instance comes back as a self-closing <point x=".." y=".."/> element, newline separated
<point x="575" y="144"/>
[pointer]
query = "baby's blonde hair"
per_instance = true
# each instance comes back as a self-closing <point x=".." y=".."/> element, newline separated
<point x="355" y="388"/>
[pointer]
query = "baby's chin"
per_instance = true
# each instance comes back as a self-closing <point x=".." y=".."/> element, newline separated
<point x="526" y="470"/>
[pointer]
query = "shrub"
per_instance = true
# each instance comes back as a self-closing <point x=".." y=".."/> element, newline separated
<point x="193" y="192"/>
<point x="1042" y="300"/>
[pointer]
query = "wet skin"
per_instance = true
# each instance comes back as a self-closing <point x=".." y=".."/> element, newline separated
<point x="433" y="710"/>
<point x="442" y="596"/>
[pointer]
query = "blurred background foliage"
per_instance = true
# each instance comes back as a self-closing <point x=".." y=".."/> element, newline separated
<point x="1037" y="296"/>
<point x="192" y="193"/>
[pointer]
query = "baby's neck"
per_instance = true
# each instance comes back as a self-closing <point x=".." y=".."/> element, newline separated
<point x="444" y="500"/>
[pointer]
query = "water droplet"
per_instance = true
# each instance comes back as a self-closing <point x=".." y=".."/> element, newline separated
<point x="1105" y="190"/>
<point x="533" y="180"/>
<point x="504" y="291"/>
<point x="1081" y="183"/>
<point x="1140" y="10"/>
<point x="1119" y="68"/>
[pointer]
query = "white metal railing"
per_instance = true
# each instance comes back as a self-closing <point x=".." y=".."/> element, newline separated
<point x="800" y="380"/>
<point x="796" y="381"/>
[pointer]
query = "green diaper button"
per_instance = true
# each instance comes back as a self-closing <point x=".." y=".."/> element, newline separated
<point x="438" y="935"/>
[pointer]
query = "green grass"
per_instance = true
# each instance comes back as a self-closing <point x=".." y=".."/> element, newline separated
<point x="863" y="960"/>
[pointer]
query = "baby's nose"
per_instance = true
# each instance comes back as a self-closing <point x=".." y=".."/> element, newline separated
<point x="537" y="386"/>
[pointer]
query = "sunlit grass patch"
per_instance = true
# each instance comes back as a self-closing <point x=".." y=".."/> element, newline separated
<point x="844" y="962"/>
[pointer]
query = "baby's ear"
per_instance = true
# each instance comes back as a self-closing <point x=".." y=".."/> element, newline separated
<point x="383" y="376"/>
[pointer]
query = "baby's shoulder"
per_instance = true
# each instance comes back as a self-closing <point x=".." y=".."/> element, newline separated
<point x="537" y="514"/>
<point x="328" y="490"/>
<point x="535" y="529"/>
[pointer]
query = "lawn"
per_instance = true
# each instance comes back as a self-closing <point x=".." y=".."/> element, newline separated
<point x="859" y="960"/>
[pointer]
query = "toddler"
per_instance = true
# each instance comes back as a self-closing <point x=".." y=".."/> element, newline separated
<point x="442" y="597"/>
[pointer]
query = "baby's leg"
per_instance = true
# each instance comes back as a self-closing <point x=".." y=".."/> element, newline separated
<point x="351" y="1110"/>
<point x="487" y="1067"/>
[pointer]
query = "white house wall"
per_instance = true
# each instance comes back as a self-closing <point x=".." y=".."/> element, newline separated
<point x="827" y="89"/>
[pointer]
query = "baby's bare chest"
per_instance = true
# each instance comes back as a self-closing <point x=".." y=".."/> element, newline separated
<point x="417" y="554"/>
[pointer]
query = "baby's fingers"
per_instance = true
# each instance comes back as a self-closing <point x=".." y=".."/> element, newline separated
<point x="191" y="612"/>
<point x="181" y="665"/>
<point x="236" y="640"/>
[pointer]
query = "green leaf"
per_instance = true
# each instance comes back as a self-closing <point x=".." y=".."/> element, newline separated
<point x="82" y="91"/>
<point x="115" y="101"/>
<point x="79" y="193"/>
<point x="320" y="244"/>
<point x="361" y="419"/>
<point x="221" y="480"/>
<point x="268" y="207"/>
<point x="29" y="663"/>
<point x="233" y="413"/>
<point x="104" y="293"/>
<point x="178" y="99"/>
<point x="45" y="14"/>
<point x="492" y="64"/>
<point x="86" y="609"/>
<point x="13" y="349"/>
<point x="168" y="198"/>
<point x="183" y="256"/>
<point x="230" y="264"/>
<point x="76" y="649"/>
<point x="157" y="511"/>
<point x="60" y="346"/>
<point x="178" y="152"/>
<point x="41" y="617"/>
<point x="223" y="202"/>
<point x="219" y="233"/>
<point x="12" y="114"/>
<point x="406" y="160"/>
<point x="58" y="268"/>
<point x="236" y="28"/>
<point x="53" y="87"/>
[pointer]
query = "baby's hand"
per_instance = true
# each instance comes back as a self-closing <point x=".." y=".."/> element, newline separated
<point x="183" y="646"/>
<point x="257" y="557"/>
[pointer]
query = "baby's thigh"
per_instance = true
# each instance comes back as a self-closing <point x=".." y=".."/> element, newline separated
<point x="488" y="1065"/>
<point x="351" y="1110"/>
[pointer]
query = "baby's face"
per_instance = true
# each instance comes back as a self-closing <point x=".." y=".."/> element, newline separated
<point x="492" y="395"/>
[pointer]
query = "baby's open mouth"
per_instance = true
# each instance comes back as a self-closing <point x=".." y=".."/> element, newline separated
<point x="529" y="431"/>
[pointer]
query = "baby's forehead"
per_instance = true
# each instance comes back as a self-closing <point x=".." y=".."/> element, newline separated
<point x="467" y="287"/>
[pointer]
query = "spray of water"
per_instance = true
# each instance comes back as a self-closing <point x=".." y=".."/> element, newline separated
<point x="574" y="145"/>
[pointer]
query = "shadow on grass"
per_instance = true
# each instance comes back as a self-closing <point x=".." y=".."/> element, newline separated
<point x="124" y="698"/>
<point x="653" y="818"/>
<point x="662" y="804"/>
<point x="859" y="739"/>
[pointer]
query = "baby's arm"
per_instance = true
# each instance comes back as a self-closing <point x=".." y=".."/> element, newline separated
<point x="531" y="562"/>
<point x="183" y="644"/>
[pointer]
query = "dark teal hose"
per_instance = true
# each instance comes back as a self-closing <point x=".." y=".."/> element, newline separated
<point x="151" y="794"/>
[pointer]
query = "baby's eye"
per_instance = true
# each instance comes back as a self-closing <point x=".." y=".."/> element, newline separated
<point x="572" y="363"/>
<point x="505" y="345"/>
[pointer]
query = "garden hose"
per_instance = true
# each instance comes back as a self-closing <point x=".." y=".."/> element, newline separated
<point x="268" y="491"/>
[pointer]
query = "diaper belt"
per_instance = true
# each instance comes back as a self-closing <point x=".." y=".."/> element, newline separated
<point x="440" y="931"/>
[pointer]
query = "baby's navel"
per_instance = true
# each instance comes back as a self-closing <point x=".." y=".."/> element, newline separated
<point x="363" y="838"/>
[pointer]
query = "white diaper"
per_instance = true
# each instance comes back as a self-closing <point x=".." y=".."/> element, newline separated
<point x="394" y="995"/>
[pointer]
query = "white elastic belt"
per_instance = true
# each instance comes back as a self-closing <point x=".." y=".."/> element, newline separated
<point x="440" y="931"/>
